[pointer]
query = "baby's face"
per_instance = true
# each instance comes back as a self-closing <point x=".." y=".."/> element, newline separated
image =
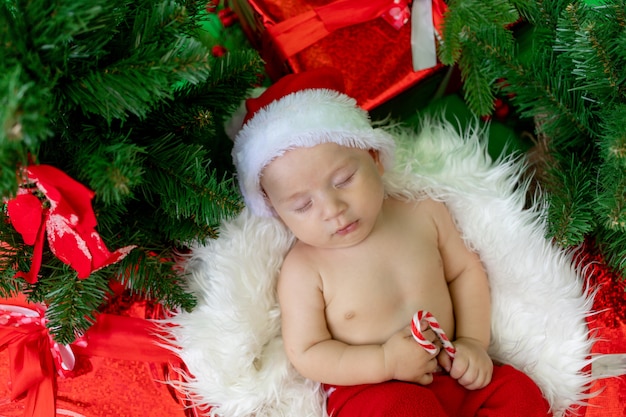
<point x="329" y="196"/>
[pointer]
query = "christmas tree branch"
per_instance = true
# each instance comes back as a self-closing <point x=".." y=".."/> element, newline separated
<point x="72" y="303"/>
<point x="567" y="77"/>
<point x="124" y="100"/>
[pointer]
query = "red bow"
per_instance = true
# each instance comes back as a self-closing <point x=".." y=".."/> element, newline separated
<point x="36" y="360"/>
<point x="51" y="201"/>
<point x="23" y="332"/>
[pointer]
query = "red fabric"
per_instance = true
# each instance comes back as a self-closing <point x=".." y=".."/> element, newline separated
<point x="127" y="338"/>
<point x="32" y="370"/>
<point x="510" y="394"/>
<point x="608" y="326"/>
<point x="374" y="58"/>
<point x="108" y="387"/>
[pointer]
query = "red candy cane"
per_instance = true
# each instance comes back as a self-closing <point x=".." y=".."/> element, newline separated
<point x="434" y="325"/>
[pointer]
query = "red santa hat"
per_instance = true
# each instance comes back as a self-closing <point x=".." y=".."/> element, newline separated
<point x="300" y="110"/>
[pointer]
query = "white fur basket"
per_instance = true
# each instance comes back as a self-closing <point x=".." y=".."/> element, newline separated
<point x="231" y="343"/>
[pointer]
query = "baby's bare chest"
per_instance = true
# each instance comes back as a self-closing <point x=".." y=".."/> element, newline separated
<point x="371" y="294"/>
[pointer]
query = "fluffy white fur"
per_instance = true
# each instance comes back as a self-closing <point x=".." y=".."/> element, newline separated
<point x="302" y="119"/>
<point x="231" y="342"/>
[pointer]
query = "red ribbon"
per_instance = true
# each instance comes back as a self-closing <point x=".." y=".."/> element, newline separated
<point x="50" y="201"/>
<point x="297" y="33"/>
<point x="32" y="365"/>
<point x="126" y="338"/>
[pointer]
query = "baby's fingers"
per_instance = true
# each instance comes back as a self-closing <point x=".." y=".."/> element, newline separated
<point x="475" y="378"/>
<point x="445" y="361"/>
<point x="431" y="368"/>
<point x="470" y="378"/>
<point x="458" y="367"/>
<point x="471" y="375"/>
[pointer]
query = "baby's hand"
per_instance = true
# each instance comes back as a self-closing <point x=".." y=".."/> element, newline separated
<point x="472" y="366"/>
<point x="405" y="360"/>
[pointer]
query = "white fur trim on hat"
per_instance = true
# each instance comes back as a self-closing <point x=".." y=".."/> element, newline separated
<point x="302" y="119"/>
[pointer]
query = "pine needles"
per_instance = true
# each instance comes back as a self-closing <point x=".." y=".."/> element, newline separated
<point x="564" y="69"/>
<point x="124" y="98"/>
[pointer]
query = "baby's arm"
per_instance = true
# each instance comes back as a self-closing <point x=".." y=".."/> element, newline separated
<point x="469" y="290"/>
<point x="317" y="356"/>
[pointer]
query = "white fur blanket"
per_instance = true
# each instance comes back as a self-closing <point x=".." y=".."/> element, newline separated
<point x="231" y="342"/>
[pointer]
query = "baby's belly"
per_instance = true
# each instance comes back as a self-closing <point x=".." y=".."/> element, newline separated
<point x="374" y="323"/>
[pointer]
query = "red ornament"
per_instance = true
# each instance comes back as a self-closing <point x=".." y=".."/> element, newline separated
<point x="211" y="6"/>
<point x="218" y="51"/>
<point x="501" y="109"/>
<point x="227" y="17"/>
<point x="502" y="112"/>
<point x="49" y="201"/>
<point x="503" y="83"/>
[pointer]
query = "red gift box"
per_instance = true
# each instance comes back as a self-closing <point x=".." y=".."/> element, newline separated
<point x="369" y="42"/>
<point x="117" y="368"/>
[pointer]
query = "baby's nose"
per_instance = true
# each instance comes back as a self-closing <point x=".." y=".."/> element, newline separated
<point x="333" y="206"/>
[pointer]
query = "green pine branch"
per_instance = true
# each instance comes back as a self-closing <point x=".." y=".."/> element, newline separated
<point x="612" y="243"/>
<point x="153" y="276"/>
<point x="476" y="37"/>
<point x="126" y="99"/>
<point x="182" y="186"/>
<point x="71" y="303"/>
<point x="571" y="208"/>
<point x="564" y="71"/>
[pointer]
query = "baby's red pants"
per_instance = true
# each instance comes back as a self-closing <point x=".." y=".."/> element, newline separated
<point x="511" y="393"/>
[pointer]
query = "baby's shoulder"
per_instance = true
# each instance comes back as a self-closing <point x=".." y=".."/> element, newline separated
<point x="425" y="206"/>
<point x="298" y="260"/>
<point x="298" y="275"/>
<point x="423" y="214"/>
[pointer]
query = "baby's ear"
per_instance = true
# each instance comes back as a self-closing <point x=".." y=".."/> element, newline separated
<point x="375" y="154"/>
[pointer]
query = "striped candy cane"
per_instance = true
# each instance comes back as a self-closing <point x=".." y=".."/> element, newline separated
<point x="434" y="325"/>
